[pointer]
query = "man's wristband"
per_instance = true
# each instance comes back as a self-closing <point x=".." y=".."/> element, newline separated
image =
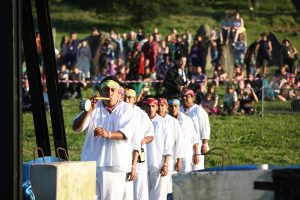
<point x="109" y="135"/>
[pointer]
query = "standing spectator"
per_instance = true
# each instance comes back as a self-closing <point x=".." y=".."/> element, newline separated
<point x="64" y="43"/>
<point x="39" y="48"/>
<point x="136" y="60"/>
<point x="72" y="50"/>
<point x="176" y="79"/>
<point x="264" y="52"/>
<point x="239" y="49"/>
<point x="110" y="141"/>
<point x="95" y="41"/>
<point x="289" y="55"/>
<point x="250" y="60"/>
<point x="84" y="59"/>
<point x="150" y="50"/>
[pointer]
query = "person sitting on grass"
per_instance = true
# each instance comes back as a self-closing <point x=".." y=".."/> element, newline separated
<point x="231" y="103"/>
<point x="247" y="99"/>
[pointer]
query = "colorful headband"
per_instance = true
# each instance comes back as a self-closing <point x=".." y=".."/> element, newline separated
<point x="189" y="91"/>
<point x="174" y="101"/>
<point x="162" y="101"/>
<point x="122" y="90"/>
<point x="130" y="92"/>
<point x="150" y="101"/>
<point x="110" y="84"/>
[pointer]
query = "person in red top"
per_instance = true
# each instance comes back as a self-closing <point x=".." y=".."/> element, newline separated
<point x="136" y="63"/>
<point x="150" y="50"/>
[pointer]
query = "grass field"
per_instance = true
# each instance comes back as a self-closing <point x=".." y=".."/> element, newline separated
<point x="271" y="138"/>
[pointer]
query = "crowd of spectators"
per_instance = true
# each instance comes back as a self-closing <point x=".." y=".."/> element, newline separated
<point x="176" y="61"/>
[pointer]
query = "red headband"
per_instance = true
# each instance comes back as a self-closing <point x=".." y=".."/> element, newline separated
<point x="189" y="91"/>
<point x="151" y="101"/>
<point x="163" y="101"/>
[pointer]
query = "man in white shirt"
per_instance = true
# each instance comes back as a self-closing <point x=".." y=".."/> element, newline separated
<point x="190" y="138"/>
<point x="201" y="124"/>
<point x="144" y="128"/>
<point x="110" y="140"/>
<point x="159" y="153"/>
<point x="178" y="148"/>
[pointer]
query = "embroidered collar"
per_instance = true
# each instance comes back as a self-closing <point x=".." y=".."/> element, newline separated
<point x="110" y="109"/>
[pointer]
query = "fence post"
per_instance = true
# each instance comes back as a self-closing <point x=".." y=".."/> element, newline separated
<point x="262" y="99"/>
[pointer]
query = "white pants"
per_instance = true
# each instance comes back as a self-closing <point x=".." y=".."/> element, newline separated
<point x="140" y="184"/>
<point x="110" y="184"/>
<point x="128" y="194"/>
<point x="158" y="185"/>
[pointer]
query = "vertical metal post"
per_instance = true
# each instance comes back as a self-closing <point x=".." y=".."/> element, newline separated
<point x="11" y="122"/>
<point x="262" y="99"/>
<point x="34" y="77"/>
<point x="57" y="119"/>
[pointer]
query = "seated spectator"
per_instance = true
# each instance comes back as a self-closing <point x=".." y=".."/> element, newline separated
<point x="287" y="93"/>
<point x="200" y="91"/>
<point x="26" y="97"/>
<point x="237" y="26"/>
<point x="45" y="96"/>
<point x="282" y="72"/>
<point x="225" y="28"/>
<point x="77" y="82"/>
<point x="231" y="103"/>
<point x="277" y="85"/>
<point x="211" y="101"/>
<point x="220" y="75"/>
<point x="63" y="84"/>
<point x="247" y="99"/>
<point x="199" y="78"/>
<point x="240" y="87"/>
<point x="238" y="74"/>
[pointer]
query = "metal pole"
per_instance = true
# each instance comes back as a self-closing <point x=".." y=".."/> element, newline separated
<point x="34" y="77"/>
<point x="262" y="99"/>
<point x="11" y="123"/>
<point x="56" y="112"/>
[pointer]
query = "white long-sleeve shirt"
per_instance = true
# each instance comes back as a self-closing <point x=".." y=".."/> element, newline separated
<point x="200" y="120"/>
<point x="161" y="145"/>
<point x="143" y="128"/>
<point x="110" y="152"/>
<point x="189" y="136"/>
<point x="178" y="148"/>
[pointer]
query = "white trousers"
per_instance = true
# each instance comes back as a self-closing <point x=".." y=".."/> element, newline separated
<point x="140" y="184"/>
<point x="110" y="184"/>
<point x="158" y="185"/>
